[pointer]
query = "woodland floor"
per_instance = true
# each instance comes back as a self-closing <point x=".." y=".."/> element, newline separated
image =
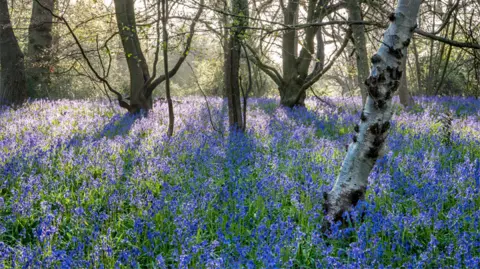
<point x="84" y="186"/>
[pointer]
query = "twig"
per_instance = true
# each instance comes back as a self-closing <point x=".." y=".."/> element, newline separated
<point x="205" y="97"/>
<point x="121" y="102"/>
<point x="321" y="99"/>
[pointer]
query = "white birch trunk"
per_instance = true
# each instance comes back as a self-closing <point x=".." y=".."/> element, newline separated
<point x="371" y="132"/>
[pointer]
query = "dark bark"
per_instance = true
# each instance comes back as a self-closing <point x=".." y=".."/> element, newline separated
<point x="246" y="93"/>
<point x="288" y="42"/>
<point x="232" y="63"/>
<point x="232" y="86"/>
<point x="13" y="88"/>
<point x="404" y="94"/>
<point x="40" y="48"/>
<point x="291" y="94"/>
<point x="297" y="75"/>
<point x="320" y="64"/>
<point x="225" y="43"/>
<point x="171" y="116"/>
<point x="137" y="65"/>
<point x="358" y="33"/>
<point x="447" y="60"/>
<point x="418" y="69"/>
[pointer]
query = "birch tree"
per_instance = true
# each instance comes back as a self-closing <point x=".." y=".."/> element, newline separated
<point x="371" y="132"/>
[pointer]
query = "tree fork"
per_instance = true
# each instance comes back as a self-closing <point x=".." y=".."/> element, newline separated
<point x="369" y="142"/>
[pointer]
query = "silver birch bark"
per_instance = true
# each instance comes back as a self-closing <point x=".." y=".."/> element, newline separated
<point x="371" y="132"/>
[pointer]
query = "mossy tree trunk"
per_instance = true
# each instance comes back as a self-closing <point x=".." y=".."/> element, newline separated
<point x="142" y="83"/>
<point x="137" y="65"/>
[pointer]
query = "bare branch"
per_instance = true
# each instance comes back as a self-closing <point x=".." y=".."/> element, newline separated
<point x="321" y="99"/>
<point x="314" y="77"/>
<point x="205" y="97"/>
<point x="448" y="41"/>
<point x="269" y="70"/>
<point x="120" y="99"/>
<point x="151" y="86"/>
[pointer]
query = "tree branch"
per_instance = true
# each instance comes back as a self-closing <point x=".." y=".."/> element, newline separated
<point x="269" y="70"/>
<point x="314" y="77"/>
<point x="151" y="86"/>
<point x="120" y="99"/>
<point x="448" y="41"/>
<point x="205" y="97"/>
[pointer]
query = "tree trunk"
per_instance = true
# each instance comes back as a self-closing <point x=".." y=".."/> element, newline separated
<point x="290" y="89"/>
<point x="447" y="59"/>
<point x="232" y="86"/>
<point x="171" y="116"/>
<point x="291" y="94"/>
<point x="358" y="32"/>
<point x="405" y="98"/>
<point x="225" y="45"/>
<point x="298" y="76"/>
<point x="430" y="77"/>
<point x="418" y="69"/>
<point x="137" y="65"/>
<point x="320" y="64"/>
<point x="288" y="42"/>
<point x="39" y="48"/>
<point x="476" y="64"/>
<point x="13" y="88"/>
<point x="371" y="132"/>
<point x="232" y="63"/>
